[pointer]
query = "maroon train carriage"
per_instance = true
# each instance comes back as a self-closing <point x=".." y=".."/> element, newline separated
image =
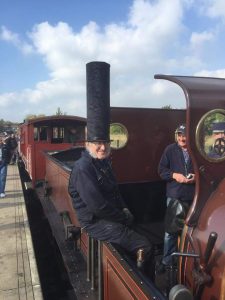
<point x="136" y="151"/>
<point x="50" y="133"/>
<point x="137" y="148"/>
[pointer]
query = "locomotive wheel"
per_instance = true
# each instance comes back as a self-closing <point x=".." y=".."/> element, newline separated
<point x="180" y="292"/>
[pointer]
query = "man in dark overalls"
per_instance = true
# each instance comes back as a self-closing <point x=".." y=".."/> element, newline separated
<point x="92" y="186"/>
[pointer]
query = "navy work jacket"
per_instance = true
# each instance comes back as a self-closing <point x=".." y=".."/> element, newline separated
<point x="6" y="156"/>
<point x="172" y="161"/>
<point x="94" y="191"/>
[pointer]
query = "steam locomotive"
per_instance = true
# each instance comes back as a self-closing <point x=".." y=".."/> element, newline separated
<point x="100" y="270"/>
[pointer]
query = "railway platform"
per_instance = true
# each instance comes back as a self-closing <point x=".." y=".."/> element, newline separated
<point x="19" y="277"/>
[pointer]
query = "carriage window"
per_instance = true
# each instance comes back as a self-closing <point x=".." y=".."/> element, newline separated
<point x="118" y="135"/>
<point x="40" y="133"/>
<point x="210" y="135"/>
<point x="35" y="134"/>
<point x="57" y="134"/>
<point x="43" y="133"/>
<point x="75" y="134"/>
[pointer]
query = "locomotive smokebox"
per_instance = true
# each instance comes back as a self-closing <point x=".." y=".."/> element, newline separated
<point x="98" y="101"/>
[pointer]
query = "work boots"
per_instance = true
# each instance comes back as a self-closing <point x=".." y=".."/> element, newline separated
<point x="146" y="263"/>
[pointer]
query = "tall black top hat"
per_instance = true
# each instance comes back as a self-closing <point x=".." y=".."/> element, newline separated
<point x="98" y="101"/>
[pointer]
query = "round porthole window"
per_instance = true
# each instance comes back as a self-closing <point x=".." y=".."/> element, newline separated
<point x="210" y="135"/>
<point x="118" y="135"/>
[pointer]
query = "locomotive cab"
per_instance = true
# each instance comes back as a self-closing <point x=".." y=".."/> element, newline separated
<point x="50" y="133"/>
<point x="201" y="250"/>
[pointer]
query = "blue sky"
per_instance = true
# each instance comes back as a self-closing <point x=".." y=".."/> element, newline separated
<point x="45" y="45"/>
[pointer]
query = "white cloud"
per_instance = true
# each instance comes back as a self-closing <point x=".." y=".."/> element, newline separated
<point x="199" y="39"/>
<point x="7" y="98"/>
<point x="153" y="40"/>
<point x="214" y="8"/>
<point x="214" y="73"/>
<point x="10" y="37"/>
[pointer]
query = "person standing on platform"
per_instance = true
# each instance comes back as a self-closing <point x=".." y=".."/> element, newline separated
<point x="5" y="157"/>
<point x="12" y="143"/>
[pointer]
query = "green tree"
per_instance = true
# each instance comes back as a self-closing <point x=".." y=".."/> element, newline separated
<point x="59" y="112"/>
<point x="31" y="116"/>
<point x="1" y="124"/>
<point x="167" y="107"/>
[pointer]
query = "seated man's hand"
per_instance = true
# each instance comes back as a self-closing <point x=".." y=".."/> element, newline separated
<point x="129" y="217"/>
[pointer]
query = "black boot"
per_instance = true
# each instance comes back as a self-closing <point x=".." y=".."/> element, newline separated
<point x="146" y="263"/>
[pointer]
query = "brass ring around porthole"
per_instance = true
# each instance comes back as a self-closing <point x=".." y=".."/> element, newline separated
<point x="118" y="135"/>
<point x="210" y="135"/>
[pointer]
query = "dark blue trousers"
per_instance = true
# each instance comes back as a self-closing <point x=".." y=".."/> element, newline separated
<point x="121" y="235"/>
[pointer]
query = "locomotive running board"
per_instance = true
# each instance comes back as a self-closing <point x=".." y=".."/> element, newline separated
<point x="73" y="260"/>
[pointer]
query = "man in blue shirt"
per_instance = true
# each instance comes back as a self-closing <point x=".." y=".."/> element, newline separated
<point x="5" y="157"/>
<point x="175" y="167"/>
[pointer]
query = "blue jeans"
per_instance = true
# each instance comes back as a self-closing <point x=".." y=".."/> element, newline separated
<point x="3" y="174"/>
<point x="170" y="244"/>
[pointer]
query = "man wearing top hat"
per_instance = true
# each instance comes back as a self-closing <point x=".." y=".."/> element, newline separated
<point x="218" y="148"/>
<point x="100" y="208"/>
